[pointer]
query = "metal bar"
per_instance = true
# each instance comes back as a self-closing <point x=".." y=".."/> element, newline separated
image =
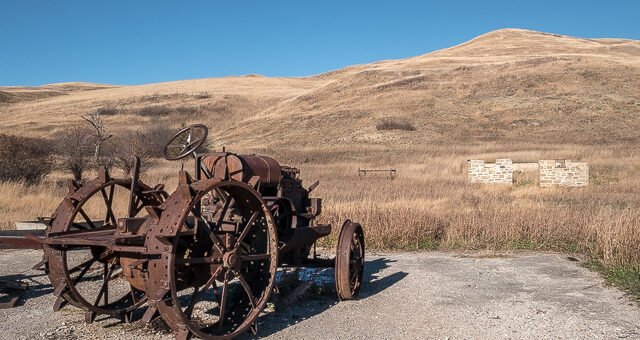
<point x="74" y="233"/>
<point x="18" y="242"/>
<point x="135" y="173"/>
<point x="392" y="172"/>
<point x="306" y="235"/>
<point x="36" y="232"/>
<point x="313" y="263"/>
<point x="376" y="170"/>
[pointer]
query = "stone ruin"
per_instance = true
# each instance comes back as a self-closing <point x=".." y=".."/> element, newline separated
<point x="500" y="172"/>
<point x="563" y="172"/>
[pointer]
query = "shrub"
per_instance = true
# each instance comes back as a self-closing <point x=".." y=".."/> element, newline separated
<point x="5" y="97"/>
<point x="395" y="123"/>
<point x="24" y="159"/>
<point x="185" y="110"/>
<point x="202" y="95"/>
<point x="163" y="110"/>
<point x="153" y="110"/>
<point x="108" y="111"/>
<point x="75" y="146"/>
<point x="146" y="144"/>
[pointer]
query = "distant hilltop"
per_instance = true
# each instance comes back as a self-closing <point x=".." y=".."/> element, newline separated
<point x="506" y="85"/>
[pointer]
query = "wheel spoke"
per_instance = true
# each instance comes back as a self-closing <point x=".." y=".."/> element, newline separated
<point x="197" y="210"/>
<point x="109" y="204"/>
<point x="133" y="294"/>
<point x="224" y="211"/>
<point x="247" y="289"/>
<point x="190" y="145"/>
<point x="82" y="273"/>
<point x="104" y="291"/>
<point x="107" y="277"/>
<point x="192" y="303"/>
<point x="198" y="260"/>
<point x="139" y="205"/>
<point x="86" y="218"/>
<point x="88" y="262"/>
<point x="117" y="275"/>
<point x="197" y="295"/>
<point x="258" y="257"/>
<point x="111" y="193"/>
<point x="246" y="229"/>
<point x="354" y="275"/>
<point x="217" y="243"/>
<point x="223" y="299"/>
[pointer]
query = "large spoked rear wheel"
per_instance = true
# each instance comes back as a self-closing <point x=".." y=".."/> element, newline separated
<point x="349" y="261"/>
<point x="90" y="277"/>
<point x="220" y="266"/>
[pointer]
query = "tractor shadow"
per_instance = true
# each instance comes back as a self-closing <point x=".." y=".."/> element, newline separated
<point x="36" y="285"/>
<point x="290" y="309"/>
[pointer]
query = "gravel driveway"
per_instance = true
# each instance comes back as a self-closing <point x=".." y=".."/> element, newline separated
<point x="407" y="296"/>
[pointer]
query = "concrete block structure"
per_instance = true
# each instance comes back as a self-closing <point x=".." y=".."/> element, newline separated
<point x="500" y="172"/>
<point x="563" y="172"/>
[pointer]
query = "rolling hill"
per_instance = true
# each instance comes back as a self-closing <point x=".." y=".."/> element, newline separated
<point x="509" y="85"/>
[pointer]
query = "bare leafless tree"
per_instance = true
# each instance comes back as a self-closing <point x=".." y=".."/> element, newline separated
<point x="99" y="132"/>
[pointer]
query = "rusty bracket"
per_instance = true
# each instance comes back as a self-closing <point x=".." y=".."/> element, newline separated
<point x="159" y="294"/>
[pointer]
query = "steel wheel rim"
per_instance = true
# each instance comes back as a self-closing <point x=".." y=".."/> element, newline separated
<point x="72" y="295"/>
<point x="350" y="255"/>
<point x="173" y="313"/>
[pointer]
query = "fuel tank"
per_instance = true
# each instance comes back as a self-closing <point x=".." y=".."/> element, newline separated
<point x="242" y="167"/>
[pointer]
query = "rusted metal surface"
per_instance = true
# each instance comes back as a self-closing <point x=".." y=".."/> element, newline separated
<point x="244" y="167"/>
<point x="349" y="261"/>
<point x="18" y="242"/>
<point x="205" y="257"/>
<point x="247" y="255"/>
<point x="17" y="239"/>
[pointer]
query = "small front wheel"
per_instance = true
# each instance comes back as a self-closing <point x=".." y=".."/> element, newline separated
<point x="349" y="261"/>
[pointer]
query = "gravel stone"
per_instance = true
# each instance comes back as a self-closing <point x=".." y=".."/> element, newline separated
<point x="436" y="295"/>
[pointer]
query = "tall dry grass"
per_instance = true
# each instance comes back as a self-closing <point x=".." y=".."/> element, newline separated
<point x="430" y="204"/>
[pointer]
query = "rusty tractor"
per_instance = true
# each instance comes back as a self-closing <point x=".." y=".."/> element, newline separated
<point x="203" y="258"/>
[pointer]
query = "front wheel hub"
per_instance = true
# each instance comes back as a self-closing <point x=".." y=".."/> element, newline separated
<point x="230" y="260"/>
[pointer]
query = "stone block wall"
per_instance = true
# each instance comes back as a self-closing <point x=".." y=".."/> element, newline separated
<point x="563" y="173"/>
<point x="500" y="172"/>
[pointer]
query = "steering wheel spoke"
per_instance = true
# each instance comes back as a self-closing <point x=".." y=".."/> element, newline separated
<point x="185" y="142"/>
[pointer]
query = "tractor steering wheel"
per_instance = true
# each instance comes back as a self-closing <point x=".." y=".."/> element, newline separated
<point x="185" y="142"/>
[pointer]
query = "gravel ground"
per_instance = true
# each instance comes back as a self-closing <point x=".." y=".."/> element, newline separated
<point x="406" y="296"/>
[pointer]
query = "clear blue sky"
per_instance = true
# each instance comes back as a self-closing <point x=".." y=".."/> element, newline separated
<point x="130" y="42"/>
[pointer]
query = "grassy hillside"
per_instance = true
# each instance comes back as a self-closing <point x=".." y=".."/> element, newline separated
<point x="507" y="85"/>
<point x="509" y="93"/>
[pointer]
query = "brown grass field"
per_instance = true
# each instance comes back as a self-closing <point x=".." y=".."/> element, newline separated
<point x="509" y="93"/>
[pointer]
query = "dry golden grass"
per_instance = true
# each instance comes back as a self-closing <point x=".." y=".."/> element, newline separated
<point x="432" y="205"/>
<point x="508" y="85"/>
<point x="510" y="93"/>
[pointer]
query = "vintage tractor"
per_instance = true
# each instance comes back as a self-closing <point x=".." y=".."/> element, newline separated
<point x="203" y="258"/>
